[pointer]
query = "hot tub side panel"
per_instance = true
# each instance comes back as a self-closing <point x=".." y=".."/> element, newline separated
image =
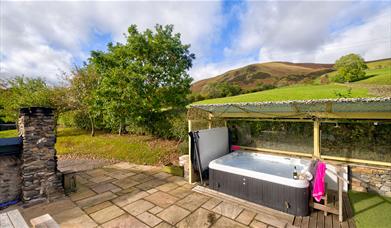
<point x="277" y="196"/>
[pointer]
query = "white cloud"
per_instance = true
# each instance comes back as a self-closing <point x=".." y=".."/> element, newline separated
<point x="371" y="39"/>
<point x="313" y="31"/>
<point x="202" y="71"/>
<point x="44" y="38"/>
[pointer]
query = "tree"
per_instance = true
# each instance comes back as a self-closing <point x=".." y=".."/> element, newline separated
<point x="350" y="68"/>
<point x="19" y="92"/>
<point x="224" y="89"/>
<point x="142" y="77"/>
<point x="24" y="92"/>
<point x="83" y="85"/>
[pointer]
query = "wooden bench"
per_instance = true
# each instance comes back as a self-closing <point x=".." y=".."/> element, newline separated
<point x="12" y="219"/>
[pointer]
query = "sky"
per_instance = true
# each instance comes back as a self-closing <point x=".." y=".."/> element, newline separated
<point x="49" y="38"/>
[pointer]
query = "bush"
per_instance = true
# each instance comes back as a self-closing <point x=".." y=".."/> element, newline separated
<point x="350" y="68"/>
<point x="216" y="90"/>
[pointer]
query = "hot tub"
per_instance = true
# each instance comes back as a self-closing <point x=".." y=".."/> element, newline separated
<point x="263" y="179"/>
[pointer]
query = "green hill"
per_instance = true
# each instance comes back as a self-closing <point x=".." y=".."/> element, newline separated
<point x="378" y="73"/>
<point x="377" y="83"/>
<point x="277" y="74"/>
<point x="298" y="92"/>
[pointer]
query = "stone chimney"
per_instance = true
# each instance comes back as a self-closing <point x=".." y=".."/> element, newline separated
<point x="41" y="181"/>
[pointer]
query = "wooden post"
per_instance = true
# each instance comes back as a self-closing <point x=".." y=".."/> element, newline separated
<point x="210" y="121"/>
<point x="316" y="139"/>
<point x="191" y="170"/>
<point x="340" y="200"/>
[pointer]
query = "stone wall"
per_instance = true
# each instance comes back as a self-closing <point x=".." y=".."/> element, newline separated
<point x="371" y="179"/>
<point x="10" y="178"/>
<point x="41" y="181"/>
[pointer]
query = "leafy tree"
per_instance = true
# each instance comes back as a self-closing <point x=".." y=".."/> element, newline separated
<point x="143" y="77"/>
<point x="350" y="68"/>
<point x="83" y="86"/>
<point x="215" y="90"/>
<point x="24" y="92"/>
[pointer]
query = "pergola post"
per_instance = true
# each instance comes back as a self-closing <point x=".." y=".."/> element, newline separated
<point x="316" y="139"/>
<point x="340" y="199"/>
<point x="191" y="170"/>
<point x="209" y="121"/>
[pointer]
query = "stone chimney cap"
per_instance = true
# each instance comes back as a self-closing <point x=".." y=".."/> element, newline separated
<point x="33" y="110"/>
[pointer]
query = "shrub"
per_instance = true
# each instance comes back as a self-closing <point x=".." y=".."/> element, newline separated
<point x="350" y="68"/>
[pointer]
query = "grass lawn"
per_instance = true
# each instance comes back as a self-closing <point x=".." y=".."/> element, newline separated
<point x="8" y="133"/>
<point x="370" y="210"/>
<point x="136" y="149"/>
<point x="378" y="73"/>
<point x="300" y="92"/>
<point x="378" y="77"/>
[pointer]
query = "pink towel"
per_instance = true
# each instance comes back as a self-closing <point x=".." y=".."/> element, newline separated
<point x="318" y="190"/>
<point x="234" y="147"/>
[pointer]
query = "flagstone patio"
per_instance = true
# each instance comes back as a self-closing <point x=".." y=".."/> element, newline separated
<point x="127" y="195"/>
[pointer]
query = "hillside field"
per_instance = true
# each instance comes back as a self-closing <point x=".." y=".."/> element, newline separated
<point x="378" y="73"/>
<point x="277" y="74"/>
<point x="299" y="92"/>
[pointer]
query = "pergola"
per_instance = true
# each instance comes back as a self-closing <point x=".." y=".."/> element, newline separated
<point x="315" y="111"/>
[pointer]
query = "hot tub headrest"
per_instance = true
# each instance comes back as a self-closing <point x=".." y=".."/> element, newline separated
<point x="212" y="144"/>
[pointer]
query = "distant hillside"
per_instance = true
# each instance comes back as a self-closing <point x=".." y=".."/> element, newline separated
<point x="377" y="83"/>
<point x="273" y="73"/>
<point x="296" y="92"/>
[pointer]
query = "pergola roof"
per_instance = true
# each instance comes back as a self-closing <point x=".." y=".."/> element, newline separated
<point x="347" y="108"/>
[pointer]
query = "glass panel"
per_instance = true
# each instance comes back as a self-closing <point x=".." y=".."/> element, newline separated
<point x="286" y="136"/>
<point x="368" y="141"/>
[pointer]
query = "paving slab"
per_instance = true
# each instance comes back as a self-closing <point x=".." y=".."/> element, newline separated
<point x="138" y="207"/>
<point x="173" y="214"/>
<point x="150" y="184"/>
<point x="246" y="217"/>
<point x="100" y="179"/>
<point x="73" y="218"/>
<point x="96" y="172"/>
<point x="192" y="201"/>
<point x="161" y="199"/>
<point x="180" y="192"/>
<point x="119" y="174"/>
<point x="155" y="210"/>
<point x="201" y="218"/>
<point x="128" y="190"/>
<point x="98" y="207"/>
<point x="153" y="190"/>
<point x="125" y="221"/>
<point x="81" y="180"/>
<point x="104" y="187"/>
<point x="149" y="219"/>
<point x="47" y="208"/>
<point x="177" y="180"/>
<point x="210" y="204"/>
<point x="81" y="194"/>
<point x="106" y="214"/>
<point x="141" y="177"/>
<point x="97" y="199"/>
<point x="228" y="209"/>
<point x="164" y="225"/>
<point x="162" y="175"/>
<point x="258" y="224"/>
<point x="167" y="187"/>
<point x="126" y="183"/>
<point x="224" y="222"/>
<point x="271" y="220"/>
<point x="129" y="198"/>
